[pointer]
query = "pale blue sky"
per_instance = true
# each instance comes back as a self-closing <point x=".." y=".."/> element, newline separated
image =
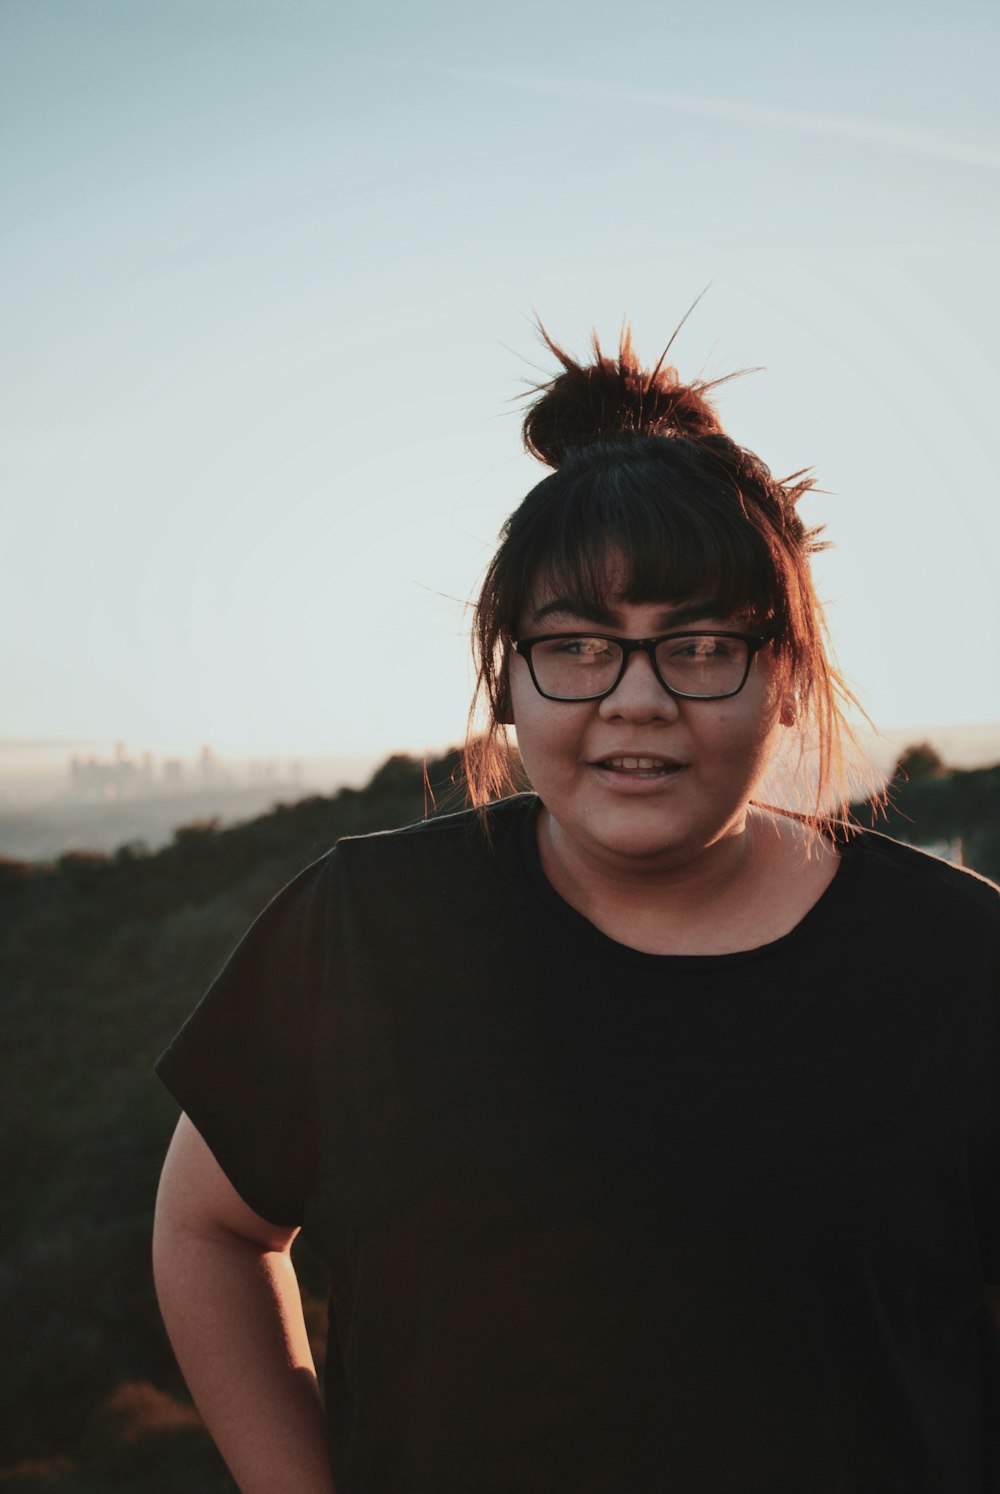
<point x="269" y="273"/>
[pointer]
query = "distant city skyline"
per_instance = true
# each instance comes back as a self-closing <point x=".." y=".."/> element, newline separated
<point x="103" y="772"/>
<point x="124" y="775"/>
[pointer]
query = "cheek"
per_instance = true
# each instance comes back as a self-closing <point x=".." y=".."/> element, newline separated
<point x="763" y="708"/>
<point x="540" y="736"/>
<point x="519" y="697"/>
<point x="742" y="742"/>
<point x="547" y="733"/>
<point x="529" y="710"/>
<point x="758" y="742"/>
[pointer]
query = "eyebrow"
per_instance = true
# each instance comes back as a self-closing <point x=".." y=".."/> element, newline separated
<point x="596" y="612"/>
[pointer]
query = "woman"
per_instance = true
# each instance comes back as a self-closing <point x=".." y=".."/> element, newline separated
<point x="650" y="1134"/>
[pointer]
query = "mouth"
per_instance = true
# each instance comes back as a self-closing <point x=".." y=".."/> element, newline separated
<point x="639" y="766"/>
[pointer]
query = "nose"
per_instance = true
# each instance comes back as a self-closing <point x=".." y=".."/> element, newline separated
<point x="638" y="695"/>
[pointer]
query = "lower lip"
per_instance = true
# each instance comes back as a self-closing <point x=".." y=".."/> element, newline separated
<point x="637" y="783"/>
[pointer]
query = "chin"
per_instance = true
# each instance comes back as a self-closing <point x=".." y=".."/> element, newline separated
<point x="643" y="841"/>
<point x="641" y="835"/>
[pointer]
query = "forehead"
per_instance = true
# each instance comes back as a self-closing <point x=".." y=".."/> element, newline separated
<point x="605" y="589"/>
<point x="615" y="611"/>
<point x="596" y="584"/>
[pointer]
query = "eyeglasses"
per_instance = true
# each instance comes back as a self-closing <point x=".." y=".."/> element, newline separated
<point x="588" y="666"/>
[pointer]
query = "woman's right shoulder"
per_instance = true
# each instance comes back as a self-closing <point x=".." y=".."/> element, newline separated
<point x="389" y="889"/>
<point x="467" y="833"/>
<point x="414" y="861"/>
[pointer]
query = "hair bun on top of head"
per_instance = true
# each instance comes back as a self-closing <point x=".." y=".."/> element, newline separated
<point x="611" y="400"/>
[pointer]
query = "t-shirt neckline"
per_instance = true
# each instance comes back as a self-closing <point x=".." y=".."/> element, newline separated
<point x="555" y="906"/>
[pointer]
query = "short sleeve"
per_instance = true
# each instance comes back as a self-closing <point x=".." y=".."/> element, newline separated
<point x="242" y="1065"/>
<point x="984" y="1158"/>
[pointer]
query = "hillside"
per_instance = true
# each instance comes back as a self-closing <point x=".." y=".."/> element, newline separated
<point x="955" y="813"/>
<point x="101" y="958"/>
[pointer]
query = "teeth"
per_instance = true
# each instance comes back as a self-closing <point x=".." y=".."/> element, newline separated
<point x="632" y="763"/>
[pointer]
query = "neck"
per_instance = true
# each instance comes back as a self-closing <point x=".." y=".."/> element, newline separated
<point x="683" y="877"/>
<point x="752" y="884"/>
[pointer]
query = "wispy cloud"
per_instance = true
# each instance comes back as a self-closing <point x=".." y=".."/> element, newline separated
<point x="905" y="139"/>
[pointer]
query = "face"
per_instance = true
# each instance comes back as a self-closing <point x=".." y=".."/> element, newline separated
<point x="641" y="780"/>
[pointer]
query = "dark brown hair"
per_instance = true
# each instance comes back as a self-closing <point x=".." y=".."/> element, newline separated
<point x="646" y="479"/>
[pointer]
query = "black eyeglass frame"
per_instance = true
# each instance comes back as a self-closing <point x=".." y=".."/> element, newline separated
<point x="629" y="646"/>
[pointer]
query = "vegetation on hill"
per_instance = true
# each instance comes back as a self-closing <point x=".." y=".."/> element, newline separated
<point x="101" y="959"/>
<point x="951" y="811"/>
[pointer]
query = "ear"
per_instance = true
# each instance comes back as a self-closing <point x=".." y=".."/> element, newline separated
<point x="789" y="712"/>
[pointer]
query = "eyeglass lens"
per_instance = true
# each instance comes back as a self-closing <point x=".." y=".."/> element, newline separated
<point x="582" y="666"/>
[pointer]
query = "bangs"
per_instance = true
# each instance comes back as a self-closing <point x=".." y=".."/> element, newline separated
<point x="619" y="536"/>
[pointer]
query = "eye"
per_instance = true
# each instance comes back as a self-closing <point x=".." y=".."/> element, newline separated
<point x="701" y="646"/>
<point x="579" y="646"/>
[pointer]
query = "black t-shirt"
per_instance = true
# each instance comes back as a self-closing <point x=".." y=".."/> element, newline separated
<point x="606" y="1222"/>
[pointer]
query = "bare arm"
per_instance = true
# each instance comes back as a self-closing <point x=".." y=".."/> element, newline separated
<point x="231" y="1303"/>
